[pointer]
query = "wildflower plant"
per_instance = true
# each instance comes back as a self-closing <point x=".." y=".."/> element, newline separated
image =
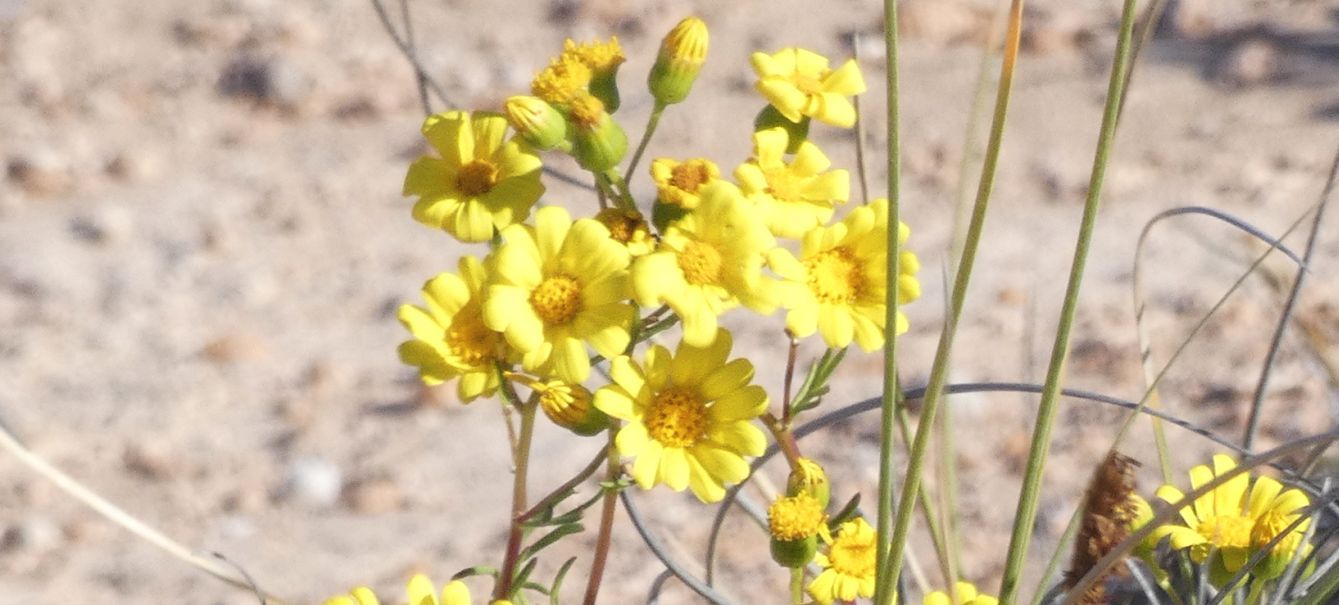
<point x="605" y="314"/>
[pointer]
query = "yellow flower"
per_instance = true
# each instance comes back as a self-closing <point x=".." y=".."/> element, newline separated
<point x="560" y="82"/>
<point x="708" y="262"/>
<point x="1232" y="525"/>
<point x="603" y="59"/>
<point x="792" y="197"/>
<point x="450" y="337"/>
<point x="838" y="284"/>
<point x="358" y="596"/>
<point x="628" y="227"/>
<point x="799" y="83"/>
<point x="558" y="285"/>
<point x="688" y="416"/>
<point x="966" y="593"/>
<point x="681" y="183"/>
<point x="848" y="566"/>
<point x="481" y="181"/>
<point x="422" y="592"/>
<point x="795" y="517"/>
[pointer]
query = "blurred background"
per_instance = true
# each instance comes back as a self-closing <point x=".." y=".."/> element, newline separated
<point x="203" y="243"/>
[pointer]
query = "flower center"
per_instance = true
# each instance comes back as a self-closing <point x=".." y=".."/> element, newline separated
<point x="851" y="556"/>
<point x="557" y="299"/>
<point x="1226" y="531"/>
<point x="469" y="339"/>
<point x="783" y="184"/>
<point x="623" y="225"/>
<point x="701" y="263"/>
<point x="677" y="418"/>
<point x="794" y="517"/>
<point x="586" y="111"/>
<point x="808" y="84"/>
<point x="561" y="81"/>
<point x="1269" y="526"/>
<point x="834" y="276"/>
<point x="689" y="176"/>
<point x="476" y="178"/>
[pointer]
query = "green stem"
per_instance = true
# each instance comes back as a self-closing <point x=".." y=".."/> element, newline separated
<point x="503" y="587"/>
<point x="797" y="585"/>
<point x="619" y="189"/>
<point x="1030" y="493"/>
<point x="651" y="123"/>
<point x="883" y="587"/>
<point x="602" y="543"/>
<point x="939" y="370"/>
<point x="938" y="537"/>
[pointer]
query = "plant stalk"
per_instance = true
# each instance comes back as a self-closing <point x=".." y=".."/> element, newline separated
<point x="503" y="588"/>
<point x="603" y="542"/>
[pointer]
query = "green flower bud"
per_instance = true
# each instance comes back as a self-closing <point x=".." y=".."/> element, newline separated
<point x="598" y="142"/>
<point x="809" y="478"/>
<point x="537" y="122"/>
<point x="682" y="54"/>
<point x="798" y="132"/>
<point x="794" y="553"/>
<point x="569" y="406"/>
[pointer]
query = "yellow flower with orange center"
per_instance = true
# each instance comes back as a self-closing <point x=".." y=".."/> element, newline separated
<point x="838" y="284"/>
<point x="450" y="338"/>
<point x="799" y="83"/>
<point x="555" y="288"/>
<point x="482" y="181"/>
<point x="708" y="262"/>
<point x="793" y="197"/>
<point x="848" y="565"/>
<point x="689" y="416"/>
<point x="681" y="183"/>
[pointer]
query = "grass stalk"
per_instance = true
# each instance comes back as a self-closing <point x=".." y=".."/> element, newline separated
<point x="1030" y="493"/>
<point x="651" y="123"/>
<point x="891" y="568"/>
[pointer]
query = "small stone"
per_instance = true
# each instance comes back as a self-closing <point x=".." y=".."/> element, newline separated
<point x="148" y="460"/>
<point x="373" y="496"/>
<point x="314" y="482"/>
<point x="1191" y="19"/>
<point x="233" y="348"/>
<point x="133" y="167"/>
<point x="273" y="81"/>
<point x="36" y="533"/>
<point x="40" y="172"/>
<point x="104" y="225"/>
<point x="1250" y="62"/>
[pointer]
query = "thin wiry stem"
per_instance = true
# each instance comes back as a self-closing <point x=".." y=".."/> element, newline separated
<point x="1257" y="401"/>
<point x="884" y="583"/>
<point x="503" y="588"/>
<point x="862" y="173"/>
<point x="561" y="491"/>
<point x="651" y="123"/>
<point x="125" y="520"/>
<point x="1030" y="493"/>
<point x="419" y="76"/>
<point x="939" y="370"/>
<point x="606" y="534"/>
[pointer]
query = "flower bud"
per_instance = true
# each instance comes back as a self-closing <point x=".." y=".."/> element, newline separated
<point x="537" y="122"/>
<point x="598" y="142"/>
<point x="794" y="523"/>
<point x="809" y="478"/>
<point x="682" y="54"/>
<point x="569" y="406"/>
<point x="797" y="132"/>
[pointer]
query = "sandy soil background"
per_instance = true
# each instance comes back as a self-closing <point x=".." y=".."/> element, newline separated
<point x="202" y="245"/>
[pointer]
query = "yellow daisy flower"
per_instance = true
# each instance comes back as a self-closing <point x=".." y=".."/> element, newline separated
<point x="681" y="183"/>
<point x="599" y="56"/>
<point x="1233" y="526"/>
<point x="480" y="182"/>
<point x="708" y="262"/>
<point x="689" y="416"/>
<point x="848" y="566"/>
<point x="450" y="337"/>
<point x="792" y="197"/>
<point x="837" y="285"/>
<point x="799" y="83"/>
<point x="557" y="286"/>
<point x="358" y="596"/>
<point x="966" y="593"/>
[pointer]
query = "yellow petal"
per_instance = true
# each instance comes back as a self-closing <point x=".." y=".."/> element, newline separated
<point x="456" y="593"/>
<point x="421" y="591"/>
<point x="845" y="80"/>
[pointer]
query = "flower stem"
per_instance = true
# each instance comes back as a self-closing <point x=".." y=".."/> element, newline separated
<point x="796" y="585"/>
<point x="561" y="491"/>
<point x="651" y="123"/>
<point x="1026" y="516"/>
<point x="790" y="376"/>
<point x="883" y="587"/>
<point x="603" y="542"/>
<point x="503" y="588"/>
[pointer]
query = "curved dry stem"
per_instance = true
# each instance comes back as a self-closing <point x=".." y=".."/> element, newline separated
<point x="125" y="520"/>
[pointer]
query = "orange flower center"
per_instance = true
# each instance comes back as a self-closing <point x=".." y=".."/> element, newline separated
<point x="835" y="277"/>
<point x="701" y="263"/>
<point x="852" y="555"/>
<point x="476" y="178"/>
<point x="808" y="84"/>
<point x="689" y="176"/>
<point x="623" y="225"/>
<point x="677" y="418"/>
<point x="557" y="299"/>
<point x="469" y="339"/>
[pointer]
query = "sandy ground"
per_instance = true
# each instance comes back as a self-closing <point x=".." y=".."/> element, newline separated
<point x="202" y="245"/>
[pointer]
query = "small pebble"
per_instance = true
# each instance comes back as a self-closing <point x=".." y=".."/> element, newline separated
<point x="314" y="482"/>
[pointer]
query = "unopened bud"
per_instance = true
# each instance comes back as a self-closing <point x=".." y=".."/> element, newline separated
<point x="682" y="54"/>
<point x="537" y="122"/>
<point x="569" y="406"/>
<point x="809" y="478"/>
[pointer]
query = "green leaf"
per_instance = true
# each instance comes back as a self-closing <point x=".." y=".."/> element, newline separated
<point x="553" y="536"/>
<point x="850" y="511"/>
<point x="558" y="581"/>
